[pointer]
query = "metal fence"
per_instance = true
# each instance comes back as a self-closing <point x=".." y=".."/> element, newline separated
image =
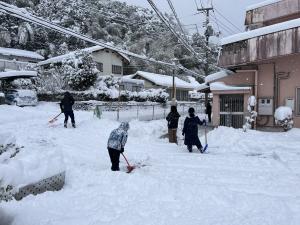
<point x="139" y="111"/>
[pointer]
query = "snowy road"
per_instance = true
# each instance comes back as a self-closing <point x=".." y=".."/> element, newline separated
<point x="245" y="179"/>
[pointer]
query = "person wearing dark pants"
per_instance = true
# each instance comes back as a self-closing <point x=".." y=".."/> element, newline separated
<point x="208" y="111"/>
<point x="116" y="143"/>
<point x="172" y="119"/>
<point x="114" y="158"/>
<point x="190" y="131"/>
<point x="66" y="107"/>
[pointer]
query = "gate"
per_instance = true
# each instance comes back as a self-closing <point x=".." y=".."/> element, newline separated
<point x="232" y="110"/>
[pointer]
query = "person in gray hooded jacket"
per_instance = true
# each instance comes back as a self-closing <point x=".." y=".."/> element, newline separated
<point x="116" y="143"/>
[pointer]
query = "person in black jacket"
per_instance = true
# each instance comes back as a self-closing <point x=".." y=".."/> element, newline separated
<point x="172" y="119"/>
<point x="190" y="131"/>
<point x="66" y="107"/>
<point x="208" y="111"/>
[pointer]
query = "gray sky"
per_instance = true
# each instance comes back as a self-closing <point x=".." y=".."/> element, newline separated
<point x="232" y="10"/>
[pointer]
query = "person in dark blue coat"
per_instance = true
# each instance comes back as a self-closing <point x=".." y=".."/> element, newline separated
<point x="66" y="107"/>
<point x="190" y="131"/>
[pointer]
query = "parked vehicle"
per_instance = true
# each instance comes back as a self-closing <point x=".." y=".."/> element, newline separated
<point x="21" y="97"/>
<point x="2" y="98"/>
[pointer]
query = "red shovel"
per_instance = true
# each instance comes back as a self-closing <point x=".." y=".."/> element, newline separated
<point x="129" y="167"/>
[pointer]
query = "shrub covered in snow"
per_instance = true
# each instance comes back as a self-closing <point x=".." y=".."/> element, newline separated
<point x="284" y="117"/>
<point x="77" y="72"/>
<point x="252" y="114"/>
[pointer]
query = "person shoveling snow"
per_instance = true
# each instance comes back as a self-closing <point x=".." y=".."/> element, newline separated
<point x="115" y="145"/>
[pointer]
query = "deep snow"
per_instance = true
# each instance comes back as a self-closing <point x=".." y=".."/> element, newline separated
<point x="245" y="178"/>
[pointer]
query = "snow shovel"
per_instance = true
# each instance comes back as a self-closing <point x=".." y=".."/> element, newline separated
<point x="129" y="167"/>
<point x="205" y="133"/>
<point x="55" y="118"/>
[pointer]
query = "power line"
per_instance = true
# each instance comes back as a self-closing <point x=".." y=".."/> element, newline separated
<point x="236" y="27"/>
<point x="25" y="15"/>
<point x="224" y="26"/>
<point x="166" y="22"/>
<point x="177" y="19"/>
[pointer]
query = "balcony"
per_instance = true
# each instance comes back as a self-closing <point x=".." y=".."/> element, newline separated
<point x="261" y="44"/>
<point x="262" y="15"/>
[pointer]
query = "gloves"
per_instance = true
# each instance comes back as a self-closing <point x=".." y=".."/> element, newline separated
<point x="204" y="122"/>
<point x="122" y="150"/>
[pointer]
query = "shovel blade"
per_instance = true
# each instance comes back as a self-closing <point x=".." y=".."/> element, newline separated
<point x="130" y="168"/>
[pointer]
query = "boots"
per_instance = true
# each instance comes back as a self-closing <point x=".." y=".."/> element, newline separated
<point x="73" y="125"/>
<point x="65" y="125"/>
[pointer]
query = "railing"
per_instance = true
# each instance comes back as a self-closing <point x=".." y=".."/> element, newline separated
<point x="139" y="111"/>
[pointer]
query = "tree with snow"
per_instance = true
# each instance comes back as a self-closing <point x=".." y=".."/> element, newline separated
<point x="252" y="114"/>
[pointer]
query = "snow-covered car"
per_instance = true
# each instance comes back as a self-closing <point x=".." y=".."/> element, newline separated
<point x="21" y="97"/>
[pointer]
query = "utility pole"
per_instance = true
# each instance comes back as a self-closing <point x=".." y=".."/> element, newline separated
<point x="208" y="33"/>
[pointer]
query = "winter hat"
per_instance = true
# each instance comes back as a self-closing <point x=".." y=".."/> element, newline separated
<point x="124" y="126"/>
<point x="191" y="110"/>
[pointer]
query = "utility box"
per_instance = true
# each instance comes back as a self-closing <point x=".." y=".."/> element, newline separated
<point x="290" y="102"/>
<point x="265" y="106"/>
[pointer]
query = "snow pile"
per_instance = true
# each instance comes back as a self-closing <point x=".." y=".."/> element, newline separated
<point x="218" y="75"/>
<point x="221" y="86"/>
<point x="30" y="167"/>
<point x="16" y="74"/>
<point x="166" y="80"/>
<point x="261" y="4"/>
<point x="20" y="53"/>
<point x="283" y="112"/>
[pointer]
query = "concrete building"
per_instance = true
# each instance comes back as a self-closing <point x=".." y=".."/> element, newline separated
<point x="108" y="61"/>
<point x="264" y="62"/>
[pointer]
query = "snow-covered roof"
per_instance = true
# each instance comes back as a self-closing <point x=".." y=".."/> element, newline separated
<point x="165" y="80"/>
<point x="132" y="81"/>
<point x="194" y="82"/>
<point x="217" y="75"/>
<point x="202" y="86"/>
<point x="261" y="4"/>
<point x="20" y="53"/>
<point x="17" y="74"/>
<point x="60" y="58"/>
<point x="220" y="86"/>
<point x="261" y="31"/>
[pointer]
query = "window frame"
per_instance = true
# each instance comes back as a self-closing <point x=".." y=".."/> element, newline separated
<point x="115" y="69"/>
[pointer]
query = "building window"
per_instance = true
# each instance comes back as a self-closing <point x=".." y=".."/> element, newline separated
<point x="116" y="69"/>
<point x="135" y="88"/>
<point x="298" y="101"/>
<point x="122" y="87"/>
<point x="99" y="66"/>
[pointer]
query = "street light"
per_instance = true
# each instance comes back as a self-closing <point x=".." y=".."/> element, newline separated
<point x="175" y="62"/>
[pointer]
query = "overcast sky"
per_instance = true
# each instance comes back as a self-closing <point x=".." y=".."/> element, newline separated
<point x="232" y="10"/>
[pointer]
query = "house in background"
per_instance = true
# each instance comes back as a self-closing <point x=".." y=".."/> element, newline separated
<point x="108" y="62"/>
<point x="14" y="64"/>
<point x="264" y="62"/>
<point x="16" y="59"/>
<point x="152" y="80"/>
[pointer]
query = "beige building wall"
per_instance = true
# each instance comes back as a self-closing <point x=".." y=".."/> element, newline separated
<point x="108" y="58"/>
<point x="287" y="87"/>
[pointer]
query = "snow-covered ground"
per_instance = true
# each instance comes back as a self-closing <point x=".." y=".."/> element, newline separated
<point x="245" y="178"/>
